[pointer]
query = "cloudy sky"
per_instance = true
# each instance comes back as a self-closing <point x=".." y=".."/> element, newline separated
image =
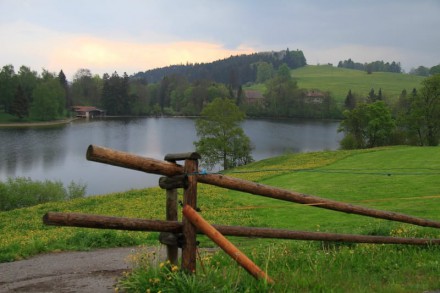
<point x="136" y="35"/>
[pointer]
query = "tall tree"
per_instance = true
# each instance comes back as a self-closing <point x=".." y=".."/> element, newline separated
<point x="86" y="88"/>
<point x="221" y="139"/>
<point x="372" y="97"/>
<point x="49" y="100"/>
<point x="281" y="93"/>
<point x="350" y="101"/>
<point x="65" y="85"/>
<point x="8" y="86"/>
<point x="28" y="80"/>
<point x="115" y="97"/>
<point x="435" y="70"/>
<point x="425" y="111"/>
<point x="265" y="72"/>
<point x="20" y="104"/>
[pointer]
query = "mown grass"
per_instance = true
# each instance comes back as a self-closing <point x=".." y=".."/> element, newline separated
<point x="338" y="81"/>
<point x="401" y="179"/>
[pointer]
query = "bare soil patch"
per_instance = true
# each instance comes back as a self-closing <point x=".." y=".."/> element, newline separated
<point x="93" y="271"/>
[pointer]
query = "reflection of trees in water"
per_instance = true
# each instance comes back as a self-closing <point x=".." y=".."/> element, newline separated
<point x="27" y="148"/>
<point x="116" y="134"/>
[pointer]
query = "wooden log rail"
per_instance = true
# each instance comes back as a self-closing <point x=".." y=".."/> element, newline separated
<point x="133" y="224"/>
<point x="130" y="161"/>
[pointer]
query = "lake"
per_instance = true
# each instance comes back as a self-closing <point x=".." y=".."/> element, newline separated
<point x="59" y="153"/>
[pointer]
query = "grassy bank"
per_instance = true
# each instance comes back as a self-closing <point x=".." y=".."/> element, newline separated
<point x="7" y="120"/>
<point x="400" y="179"/>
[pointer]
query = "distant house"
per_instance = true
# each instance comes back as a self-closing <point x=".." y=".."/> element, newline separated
<point x="253" y="97"/>
<point x="315" y="97"/>
<point x="88" y="111"/>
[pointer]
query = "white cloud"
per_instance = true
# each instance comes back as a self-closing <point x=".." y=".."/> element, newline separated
<point x="37" y="47"/>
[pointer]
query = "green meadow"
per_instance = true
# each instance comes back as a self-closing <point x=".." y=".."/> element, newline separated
<point x="399" y="179"/>
<point x="338" y="81"/>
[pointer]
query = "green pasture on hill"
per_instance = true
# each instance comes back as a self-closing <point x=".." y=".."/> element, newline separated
<point x="400" y="179"/>
<point x="338" y="81"/>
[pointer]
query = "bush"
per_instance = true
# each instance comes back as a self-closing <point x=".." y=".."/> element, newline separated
<point x="349" y="142"/>
<point x="23" y="192"/>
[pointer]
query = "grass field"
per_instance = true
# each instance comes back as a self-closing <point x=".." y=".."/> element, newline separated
<point x="338" y="81"/>
<point x="399" y="179"/>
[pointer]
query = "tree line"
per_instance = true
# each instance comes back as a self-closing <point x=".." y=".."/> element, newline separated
<point x="414" y="119"/>
<point x="381" y="66"/>
<point x="375" y="66"/>
<point x="27" y="94"/>
<point x="235" y="70"/>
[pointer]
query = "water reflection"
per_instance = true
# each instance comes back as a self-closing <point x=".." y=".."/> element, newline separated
<point x="58" y="153"/>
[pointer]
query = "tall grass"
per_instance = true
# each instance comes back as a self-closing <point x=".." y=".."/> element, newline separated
<point x="22" y="192"/>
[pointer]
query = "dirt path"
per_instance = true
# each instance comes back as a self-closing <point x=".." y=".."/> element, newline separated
<point x="94" y="271"/>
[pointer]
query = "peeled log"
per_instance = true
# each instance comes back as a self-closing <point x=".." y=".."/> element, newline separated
<point x="131" y="224"/>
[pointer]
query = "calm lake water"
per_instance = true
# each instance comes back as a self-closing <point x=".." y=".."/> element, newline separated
<point x="59" y="153"/>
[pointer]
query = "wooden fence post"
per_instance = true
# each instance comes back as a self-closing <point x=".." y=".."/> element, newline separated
<point x="189" y="230"/>
<point x="171" y="211"/>
<point x="171" y="215"/>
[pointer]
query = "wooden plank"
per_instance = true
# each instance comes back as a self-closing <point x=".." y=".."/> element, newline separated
<point x="131" y="224"/>
<point x="225" y="244"/>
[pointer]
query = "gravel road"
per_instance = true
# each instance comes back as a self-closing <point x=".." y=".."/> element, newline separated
<point x="93" y="271"/>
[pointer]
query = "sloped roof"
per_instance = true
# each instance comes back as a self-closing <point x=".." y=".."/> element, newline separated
<point x="86" y="109"/>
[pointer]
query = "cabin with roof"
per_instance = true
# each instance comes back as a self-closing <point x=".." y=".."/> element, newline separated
<point x="253" y="97"/>
<point x="315" y="97"/>
<point x="88" y="111"/>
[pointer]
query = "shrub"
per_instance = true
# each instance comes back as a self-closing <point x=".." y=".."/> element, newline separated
<point x="22" y="192"/>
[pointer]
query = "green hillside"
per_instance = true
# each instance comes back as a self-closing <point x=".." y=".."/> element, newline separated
<point x="338" y="81"/>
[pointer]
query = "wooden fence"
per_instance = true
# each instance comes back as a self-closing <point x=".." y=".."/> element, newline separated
<point x="182" y="235"/>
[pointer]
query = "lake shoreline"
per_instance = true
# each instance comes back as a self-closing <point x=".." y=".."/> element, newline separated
<point x="67" y="121"/>
<point x="37" y="124"/>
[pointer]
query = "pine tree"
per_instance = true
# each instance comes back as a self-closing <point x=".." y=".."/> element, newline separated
<point x="372" y="96"/>
<point x="63" y="81"/>
<point x="350" y="101"/>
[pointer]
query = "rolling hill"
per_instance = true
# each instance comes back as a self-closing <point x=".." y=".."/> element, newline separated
<point x="338" y="81"/>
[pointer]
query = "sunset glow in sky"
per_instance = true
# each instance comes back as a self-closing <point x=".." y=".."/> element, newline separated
<point x="137" y="35"/>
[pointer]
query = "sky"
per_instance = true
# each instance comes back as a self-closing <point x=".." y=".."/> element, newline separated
<point x="136" y="35"/>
